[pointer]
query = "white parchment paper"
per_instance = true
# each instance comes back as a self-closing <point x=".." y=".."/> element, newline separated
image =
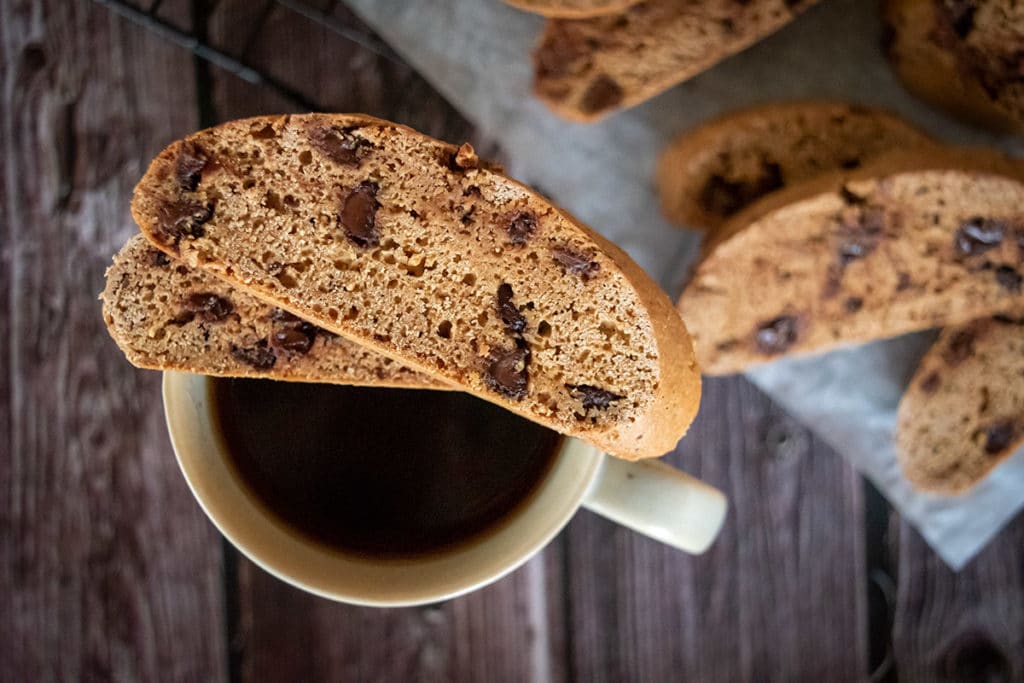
<point x="476" y="52"/>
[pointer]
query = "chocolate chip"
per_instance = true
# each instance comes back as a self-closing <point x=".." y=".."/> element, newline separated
<point x="903" y="282"/>
<point x="603" y="93"/>
<point x="358" y="217"/>
<point x="930" y="384"/>
<point x="521" y="225"/>
<point x="1009" y="278"/>
<point x="515" y="322"/>
<point x="959" y="348"/>
<point x="508" y="372"/>
<point x="961" y="16"/>
<point x="850" y="197"/>
<point x="208" y="306"/>
<point x="853" y="304"/>
<point x="593" y="397"/>
<point x="258" y="356"/>
<point x="183" y="219"/>
<point x="563" y="52"/>
<point x="158" y="258"/>
<point x="998" y="436"/>
<point x="978" y="235"/>
<point x="282" y="316"/>
<point x="575" y="262"/>
<point x="297" y="338"/>
<point x="726" y="197"/>
<point x="189" y="168"/>
<point x="777" y="335"/>
<point x="338" y="144"/>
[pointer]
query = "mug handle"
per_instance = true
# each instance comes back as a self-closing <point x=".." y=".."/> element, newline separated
<point x="659" y="501"/>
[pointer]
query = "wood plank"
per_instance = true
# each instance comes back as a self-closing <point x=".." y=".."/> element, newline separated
<point x="966" y="626"/>
<point x="509" y="631"/>
<point x="107" y="567"/>
<point x="780" y="596"/>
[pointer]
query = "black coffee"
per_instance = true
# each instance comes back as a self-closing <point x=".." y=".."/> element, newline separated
<point x="390" y="472"/>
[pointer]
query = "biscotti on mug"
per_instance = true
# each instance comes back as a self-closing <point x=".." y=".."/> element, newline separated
<point x="415" y="249"/>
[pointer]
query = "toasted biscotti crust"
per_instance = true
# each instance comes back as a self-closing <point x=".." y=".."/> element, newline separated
<point x="911" y="241"/>
<point x="167" y="316"/>
<point x="960" y="56"/>
<point x="712" y="172"/>
<point x="963" y="412"/>
<point x="572" y="9"/>
<point x="411" y="247"/>
<point x="585" y="69"/>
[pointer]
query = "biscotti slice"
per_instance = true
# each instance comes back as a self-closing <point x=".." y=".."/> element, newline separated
<point x="167" y="316"/>
<point x="908" y="242"/>
<point x="587" y="68"/>
<point x="572" y="9"/>
<point x="412" y="247"/>
<point x="712" y="172"/>
<point x="963" y="412"/>
<point x="963" y="57"/>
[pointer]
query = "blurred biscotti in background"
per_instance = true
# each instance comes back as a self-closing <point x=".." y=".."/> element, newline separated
<point x="712" y="172"/>
<point x="963" y="412"/>
<point x="585" y="69"/>
<point x="966" y="57"/>
<point x="911" y="241"/>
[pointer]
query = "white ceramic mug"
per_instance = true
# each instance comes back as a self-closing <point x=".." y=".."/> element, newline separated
<point x="650" y="497"/>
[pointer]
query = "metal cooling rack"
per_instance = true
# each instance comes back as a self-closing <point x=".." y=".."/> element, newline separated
<point x="149" y="17"/>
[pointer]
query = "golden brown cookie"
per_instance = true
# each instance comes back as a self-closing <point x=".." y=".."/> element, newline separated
<point x="963" y="412"/>
<point x="167" y="316"/>
<point x="910" y="241"/>
<point x="715" y="170"/>
<point x="572" y="9"/>
<point x="963" y="56"/>
<point x="587" y="68"/>
<point x="413" y="248"/>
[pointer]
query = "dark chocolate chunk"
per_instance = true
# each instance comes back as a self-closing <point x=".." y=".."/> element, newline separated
<point x="999" y="436"/>
<point x="1008" y="278"/>
<point x="521" y="225"/>
<point x="183" y="219"/>
<point x="508" y="372"/>
<point x="593" y="397"/>
<point x="903" y="282"/>
<point x="777" y="335"/>
<point x="158" y="258"/>
<point x="959" y="348"/>
<point x="850" y="197"/>
<point x="562" y="53"/>
<point x="282" y="316"/>
<point x="930" y="384"/>
<point x="978" y="235"/>
<point x="189" y="168"/>
<point x="602" y="93"/>
<point x="340" y="145"/>
<point x="726" y="197"/>
<point x="853" y="304"/>
<point x="860" y="233"/>
<point x="961" y="16"/>
<point x="358" y="217"/>
<point x="515" y="322"/>
<point x="296" y="338"/>
<point x="258" y="356"/>
<point x="208" y="306"/>
<point x="575" y="262"/>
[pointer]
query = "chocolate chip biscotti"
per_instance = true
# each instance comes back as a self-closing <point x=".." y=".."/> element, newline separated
<point x="715" y="170"/>
<point x="963" y="412"/>
<point x="587" y="68"/>
<point x="413" y="248"/>
<point x="167" y="316"/>
<point x="908" y="242"/>
<point x="963" y="56"/>
<point x="574" y="9"/>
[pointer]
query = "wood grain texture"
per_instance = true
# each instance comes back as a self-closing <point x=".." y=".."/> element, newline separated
<point x="778" y="597"/>
<point x="966" y="626"/>
<point x="107" y="568"/>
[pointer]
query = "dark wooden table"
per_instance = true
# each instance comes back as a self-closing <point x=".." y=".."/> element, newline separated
<point x="109" y="571"/>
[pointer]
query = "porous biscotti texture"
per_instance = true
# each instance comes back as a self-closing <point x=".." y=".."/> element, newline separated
<point x="963" y="412"/>
<point x="908" y="242"/>
<point x="963" y="56"/>
<point x="587" y="68"/>
<point x="167" y="316"/>
<point x="415" y="249"/>
<point x="574" y="9"/>
<point x="714" y="171"/>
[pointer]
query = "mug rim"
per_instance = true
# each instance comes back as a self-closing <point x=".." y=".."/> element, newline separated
<point x="276" y="548"/>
